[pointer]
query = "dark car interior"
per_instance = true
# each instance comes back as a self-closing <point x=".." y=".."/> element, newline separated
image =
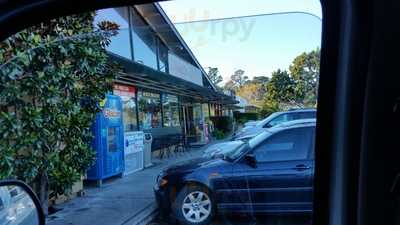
<point x="358" y="107"/>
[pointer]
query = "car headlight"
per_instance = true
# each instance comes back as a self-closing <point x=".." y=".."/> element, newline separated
<point x="161" y="180"/>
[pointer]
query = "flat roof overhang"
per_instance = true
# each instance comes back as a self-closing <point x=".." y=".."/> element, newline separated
<point x="142" y="76"/>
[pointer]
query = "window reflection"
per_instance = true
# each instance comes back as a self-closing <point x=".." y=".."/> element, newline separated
<point x="120" y="43"/>
<point x="149" y="110"/>
<point x="128" y="95"/>
<point x="163" y="57"/>
<point x="170" y="111"/>
<point x="144" y="41"/>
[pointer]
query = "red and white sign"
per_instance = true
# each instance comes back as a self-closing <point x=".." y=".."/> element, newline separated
<point x="124" y="90"/>
<point x="111" y="113"/>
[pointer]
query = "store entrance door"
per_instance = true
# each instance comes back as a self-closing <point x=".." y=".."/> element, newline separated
<point x="193" y="123"/>
<point x="189" y="131"/>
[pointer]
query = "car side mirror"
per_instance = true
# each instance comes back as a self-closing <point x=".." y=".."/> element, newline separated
<point x="19" y="205"/>
<point x="251" y="160"/>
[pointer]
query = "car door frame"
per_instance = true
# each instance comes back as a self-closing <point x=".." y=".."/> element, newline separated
<point x="243" y="190"/>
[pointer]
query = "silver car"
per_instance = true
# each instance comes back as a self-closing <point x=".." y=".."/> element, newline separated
<point x="273" y="120"/>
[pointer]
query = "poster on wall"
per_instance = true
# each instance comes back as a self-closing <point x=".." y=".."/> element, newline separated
<point x="133" y="148"/>
<point x="133" y="142"/>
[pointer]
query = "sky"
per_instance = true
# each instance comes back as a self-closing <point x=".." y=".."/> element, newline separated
<point x="256" y="44"/>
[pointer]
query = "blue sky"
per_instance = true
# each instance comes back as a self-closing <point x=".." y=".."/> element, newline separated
<point x="256" y="44"/>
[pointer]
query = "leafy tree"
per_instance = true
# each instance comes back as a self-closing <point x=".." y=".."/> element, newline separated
<point x="269" y="107"/>
<point x="51" y="78"/>
<point x="238" y="78"/>
<point x="263" y="80"/>
<point x="214" y="75"/>
<point x="230" y="86"/>
<point x="281" y="91"/>
<point x="304" y="71"/>
<point x="252" y="92"/>
<point x="295" y="89"/>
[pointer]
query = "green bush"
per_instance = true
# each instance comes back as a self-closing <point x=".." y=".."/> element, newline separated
<point x="244" y="117"/>
<point x="222" y="123"/>
<point x="218" y="134"/>
<point x="51" y="78"/>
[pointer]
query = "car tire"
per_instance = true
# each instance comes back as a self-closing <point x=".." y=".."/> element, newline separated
<point x="194" y="206"/>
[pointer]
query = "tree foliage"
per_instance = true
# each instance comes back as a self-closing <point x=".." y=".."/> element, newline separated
<point x="214" y="75"/>
<point x="280" y="87"/>
<point x="253" y="92"/>
<point x="305" y="73"/>
<point x="51" y="78"/>
<point x="263" y="80"/>
<point x="238" y="79"/>
<point x="295" y="88"/>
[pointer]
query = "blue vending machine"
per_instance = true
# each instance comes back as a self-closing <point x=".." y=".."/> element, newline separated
<point x="108" y="141"/>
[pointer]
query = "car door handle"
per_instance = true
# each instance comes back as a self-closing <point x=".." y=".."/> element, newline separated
<point x="302" y="167"/>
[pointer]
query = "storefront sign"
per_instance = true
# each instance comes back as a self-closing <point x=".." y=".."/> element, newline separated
<point x="133" y="142"/>
<point x="124" y="90"/>
<point x="112" y="110"/>
<point x="111" y="113"/>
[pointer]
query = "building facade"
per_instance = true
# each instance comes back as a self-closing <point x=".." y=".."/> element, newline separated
<point x="163" y="87"/>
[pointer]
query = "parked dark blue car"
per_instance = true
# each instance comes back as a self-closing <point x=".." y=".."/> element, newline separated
<point x="271" y="173"/>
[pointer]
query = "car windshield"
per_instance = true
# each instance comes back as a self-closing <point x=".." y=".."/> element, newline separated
<point x="269" y="118"/>
<point x="124" y="102"/>
<point x="235" y="153"/>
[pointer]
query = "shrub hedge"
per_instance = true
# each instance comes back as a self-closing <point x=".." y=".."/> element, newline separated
<point x="222" y="123"/>
<point x="244" y="117"/>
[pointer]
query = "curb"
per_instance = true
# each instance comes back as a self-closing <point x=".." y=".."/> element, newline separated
<point x="144" y="216"/>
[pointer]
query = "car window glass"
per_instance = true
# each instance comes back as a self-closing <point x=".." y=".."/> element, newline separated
<point x="304" y="115"/>
<point x="275" y="121"/>
<point x="292" y="144"/>
<point x="280" y="119"/>
<point x="182" y="75"/>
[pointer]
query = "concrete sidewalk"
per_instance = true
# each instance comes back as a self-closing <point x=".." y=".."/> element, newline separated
<point x="120" y="201"/>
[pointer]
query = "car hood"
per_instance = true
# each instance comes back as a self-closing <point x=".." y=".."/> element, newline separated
<point x="251" y="132"/>
<point x="190" y="165"/>
<point x="223" y="145"/>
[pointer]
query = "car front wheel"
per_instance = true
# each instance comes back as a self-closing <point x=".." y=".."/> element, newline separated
<point x="194" y="206"/>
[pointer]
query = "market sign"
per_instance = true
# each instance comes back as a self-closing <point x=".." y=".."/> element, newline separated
<point x="124" y="90"/>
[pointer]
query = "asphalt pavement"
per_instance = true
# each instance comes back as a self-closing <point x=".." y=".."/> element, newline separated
<point x="252" y="220"/>
<point x="120" y="201"/>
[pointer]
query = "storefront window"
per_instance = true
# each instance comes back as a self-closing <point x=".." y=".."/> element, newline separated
<point x="198" y="122"/>
<point x="149" y="110"/>
<point x="144" y="41"/>
<point x="170" y="111"/>
<point x="128" y="95"/>
<point x="212" y="110"/>
<point x="120" y="44"/>
<point x="206" y="112"/>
